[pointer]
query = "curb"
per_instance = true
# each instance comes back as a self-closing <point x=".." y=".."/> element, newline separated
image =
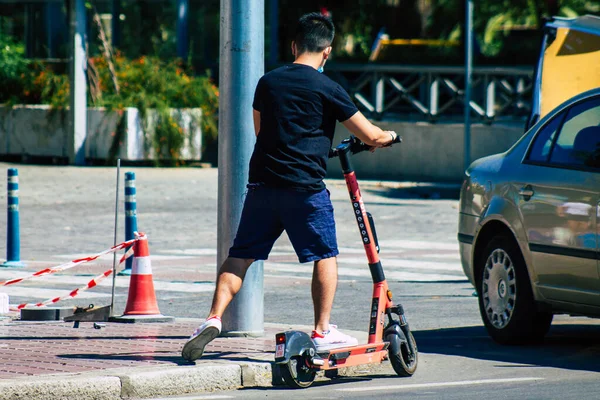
<point x="160" y="381"/>
<point x="147" y="383"/>
<point x="140" y="384"/>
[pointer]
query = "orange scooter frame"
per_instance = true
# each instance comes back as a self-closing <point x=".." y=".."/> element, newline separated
<point x="295" y="351"/>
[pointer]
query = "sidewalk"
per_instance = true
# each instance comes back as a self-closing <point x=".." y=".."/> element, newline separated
<point x="54" y="360"/>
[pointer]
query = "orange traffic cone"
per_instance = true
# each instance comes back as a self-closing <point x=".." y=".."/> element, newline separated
<point x="141" y="301"/>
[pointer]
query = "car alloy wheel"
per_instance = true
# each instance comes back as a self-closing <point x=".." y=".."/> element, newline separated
<point x="499" y="288"/>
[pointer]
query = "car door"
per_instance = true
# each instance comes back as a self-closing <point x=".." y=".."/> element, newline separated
<point x="558" y="198"/>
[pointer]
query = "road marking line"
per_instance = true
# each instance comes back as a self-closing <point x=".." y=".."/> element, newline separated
<point x="173" y="254"/>
<point x="273" y="268"/>
<point x="192" y="397"/>
<point x="418" y="245"/>
<point x="40" y="293"/>
<point x="404" y="263"/>
<point x="439" y="384"/>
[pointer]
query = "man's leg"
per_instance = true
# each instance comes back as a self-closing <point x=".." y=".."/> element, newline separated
<point x="324" y="284"/>
<point x="229" y="283"/>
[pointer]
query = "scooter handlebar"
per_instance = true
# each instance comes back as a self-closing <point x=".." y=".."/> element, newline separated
<point x="355" y="146"/>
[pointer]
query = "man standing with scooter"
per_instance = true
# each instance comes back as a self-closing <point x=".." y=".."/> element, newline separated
<point x="295" y="111"/>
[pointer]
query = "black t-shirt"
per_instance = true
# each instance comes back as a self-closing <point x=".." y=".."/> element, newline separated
<point x="298" y="110"/>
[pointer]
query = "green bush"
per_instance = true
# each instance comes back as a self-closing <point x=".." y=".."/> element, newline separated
<point x="145" y="83"/>
<point x="150" y="83"/>
<point x="13" y="65"/>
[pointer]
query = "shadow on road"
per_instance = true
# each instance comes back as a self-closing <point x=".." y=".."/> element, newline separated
<point x="574" y="347"/>
<point x="420" y="191"/>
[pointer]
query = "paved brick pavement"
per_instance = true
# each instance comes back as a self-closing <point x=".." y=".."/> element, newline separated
<point x="41" y="348"/>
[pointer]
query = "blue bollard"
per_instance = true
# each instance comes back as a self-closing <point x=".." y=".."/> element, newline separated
<point x="13" y="242"/>
<point x="130" y="216"/>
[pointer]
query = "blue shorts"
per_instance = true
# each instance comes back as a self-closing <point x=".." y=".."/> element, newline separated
<point x="307" y="217"/>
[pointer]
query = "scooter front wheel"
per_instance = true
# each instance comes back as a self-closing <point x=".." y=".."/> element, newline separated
<point x="296" y="374"/>
<point x="403" y="360"/>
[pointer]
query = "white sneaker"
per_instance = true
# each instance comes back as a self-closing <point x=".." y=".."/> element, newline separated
<point x="332" y="339"/>
<point x="203" y="335"/>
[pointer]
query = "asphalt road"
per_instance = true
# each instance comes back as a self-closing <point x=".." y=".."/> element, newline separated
<point x="69" y="211"/>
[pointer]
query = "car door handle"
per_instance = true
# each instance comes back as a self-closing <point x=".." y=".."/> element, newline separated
<point x="527" y="192"/>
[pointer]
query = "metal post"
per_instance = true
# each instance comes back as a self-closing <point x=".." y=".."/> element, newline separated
<point x="130" y="216"/>
<point x="30" y="28"/>
<point x="468" y="75"/>
<point x="182" y="29"/>
<point x="379" y="95"/>
<point x="273" y="32"/>
<point x="434" y="91"/>
<point x="490" y="102"/>
<point x="52" y="13"/>
<point x="114" y="269"/>
<point x="13" y="238"/>
<point x="241" y="66"/>
<point x="115" y="23"/>
<point x="78" y="101"/>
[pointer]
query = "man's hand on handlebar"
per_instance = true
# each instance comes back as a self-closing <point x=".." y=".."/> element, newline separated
<point x="393" y="139"/>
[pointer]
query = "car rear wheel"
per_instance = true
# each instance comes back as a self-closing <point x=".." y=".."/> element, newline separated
<point x="505" y="296"/>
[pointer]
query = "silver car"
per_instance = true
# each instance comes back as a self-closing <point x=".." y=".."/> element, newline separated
<point x="528" y="225"/>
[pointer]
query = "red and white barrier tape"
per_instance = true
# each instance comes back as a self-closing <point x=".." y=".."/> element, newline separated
<point x="75" y="292"/>
<point x="70" y="264"/>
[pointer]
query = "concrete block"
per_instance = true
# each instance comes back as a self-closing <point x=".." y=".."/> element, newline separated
<point x="44" y="132"/>
<point x="257" y="374"/>
<point x="181" y="380"/>
<point x="65" y="388"/>
<point x="428" y="152"/>
<point x="46" y="313"/>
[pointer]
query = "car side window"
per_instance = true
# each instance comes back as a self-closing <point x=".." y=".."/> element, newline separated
<point x="578" y="143"/>
<point x="540" y="151"/>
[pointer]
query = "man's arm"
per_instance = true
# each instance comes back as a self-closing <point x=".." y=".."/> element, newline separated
<point x="256" y="116"/>
<point x="370" y="134"/>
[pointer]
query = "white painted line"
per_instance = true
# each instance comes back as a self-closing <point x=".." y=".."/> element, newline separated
<point x="109" y="257"/>
<point x="273" y="268"/>
<point x="31" y="292"/>
<point x="195" y="397"/>
<point x="192" y="252"/>
<point x="452" y="256"/>
<point x="418" y="245"/>
<point x="289" y="250"/>
<point x="439" y="384"/>
<point x="403" y="263"/>
<point x="78" y="280"/>
<point x="40" y="293"/>
<point x="182" y="287"/>
<point x="291" y="277"/>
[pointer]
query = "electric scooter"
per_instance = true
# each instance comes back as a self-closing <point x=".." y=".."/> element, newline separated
<point x="295" y="352"/>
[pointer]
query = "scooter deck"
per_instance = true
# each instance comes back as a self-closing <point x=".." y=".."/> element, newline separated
<point x="369" y="353"/>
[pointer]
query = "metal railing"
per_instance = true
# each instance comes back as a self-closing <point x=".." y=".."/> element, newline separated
<point x="435" y="93"/>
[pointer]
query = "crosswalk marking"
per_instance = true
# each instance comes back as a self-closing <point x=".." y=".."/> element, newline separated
<point x="364" y="273"/>
<point x="43" y="293"/>
<point x="403" y="260"/>
<point x="39" y="288"/>
<point x="413" y="264"/>
<point x="418" y="245"/>
<point x="120" y="281"/>
<point x="438" y="384"/>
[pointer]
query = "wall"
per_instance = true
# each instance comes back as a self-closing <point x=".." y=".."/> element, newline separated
<point x="38" y="131"/>
<point x="428" y="152"/>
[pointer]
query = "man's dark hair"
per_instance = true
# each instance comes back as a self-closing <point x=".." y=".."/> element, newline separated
<point x="314" y="33"/>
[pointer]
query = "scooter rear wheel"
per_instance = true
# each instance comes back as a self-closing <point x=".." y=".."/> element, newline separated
<point x="296" y="374"/>
<point x="402" y="361"/>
